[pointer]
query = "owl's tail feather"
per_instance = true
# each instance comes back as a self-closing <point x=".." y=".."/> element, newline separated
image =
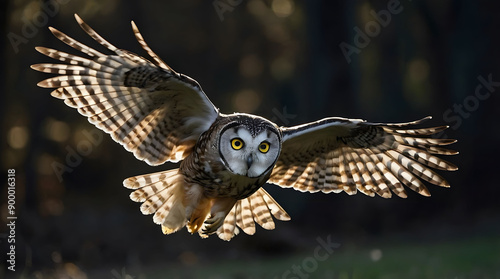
<point x="259" y="208"/>
<point x="176" y="204"/>
<point x="161" y="193"/>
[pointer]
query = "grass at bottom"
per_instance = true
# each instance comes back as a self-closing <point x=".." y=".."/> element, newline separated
<point x="455" y="259"/>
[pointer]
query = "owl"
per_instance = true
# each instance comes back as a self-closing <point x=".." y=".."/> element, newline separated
<point x="163" y="116"/>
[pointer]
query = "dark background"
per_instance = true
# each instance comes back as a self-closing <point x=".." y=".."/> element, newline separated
<point x="267" y="57"/>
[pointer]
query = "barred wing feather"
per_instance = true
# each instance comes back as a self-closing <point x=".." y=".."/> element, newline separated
<point x="339" y="154"/>
<point x="153" y="111"/>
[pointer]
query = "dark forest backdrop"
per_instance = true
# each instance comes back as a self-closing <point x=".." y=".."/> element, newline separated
<point x="284" y="60"/>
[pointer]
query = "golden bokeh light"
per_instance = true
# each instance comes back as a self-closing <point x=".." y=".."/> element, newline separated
<point x="418" y="70"/>
<point x="246" y="101"/>
<point x="282" y="68"/>
<point x="251" y="66"/>
<point x="56" y="130"/>
<point x="416" y="82"/>
<point x="277" y="32"/>
<point x="257" y="7"/>
<point x="283" y="8"/>
<point x="18" y="137"/>
<point x="31" y="9"/>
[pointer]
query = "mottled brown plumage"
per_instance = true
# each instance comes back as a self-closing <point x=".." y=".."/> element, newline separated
<point x="160" y="115"/>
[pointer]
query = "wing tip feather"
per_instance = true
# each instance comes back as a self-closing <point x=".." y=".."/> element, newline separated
<point x="402" y="195"/>
<point x="134" y="26"/>
<point x="37" y="67"/>
<point x="78" y="18"/>
<point x="424" y="192"/>
<point x="44" y="84"/>
<point x="56" y="32"/>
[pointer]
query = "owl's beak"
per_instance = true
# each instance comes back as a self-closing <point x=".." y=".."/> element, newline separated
<point x="249" y="161"/>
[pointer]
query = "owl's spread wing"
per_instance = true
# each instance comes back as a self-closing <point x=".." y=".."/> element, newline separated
<point x="338" y="154"/>
<point x="153" y="111"/>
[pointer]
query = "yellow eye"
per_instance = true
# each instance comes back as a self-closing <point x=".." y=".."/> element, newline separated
<point x="264" y="147"/>
<point x="236" y="144"/>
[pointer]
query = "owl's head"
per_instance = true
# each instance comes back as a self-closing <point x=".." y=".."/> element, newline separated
<point x="249" y="145"/>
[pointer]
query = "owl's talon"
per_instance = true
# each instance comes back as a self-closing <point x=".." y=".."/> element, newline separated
<point x="210" y="221"/>
<point x="209" y="230"/>
<point x="213" y="223"/>
<point x="194" y="225"/>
